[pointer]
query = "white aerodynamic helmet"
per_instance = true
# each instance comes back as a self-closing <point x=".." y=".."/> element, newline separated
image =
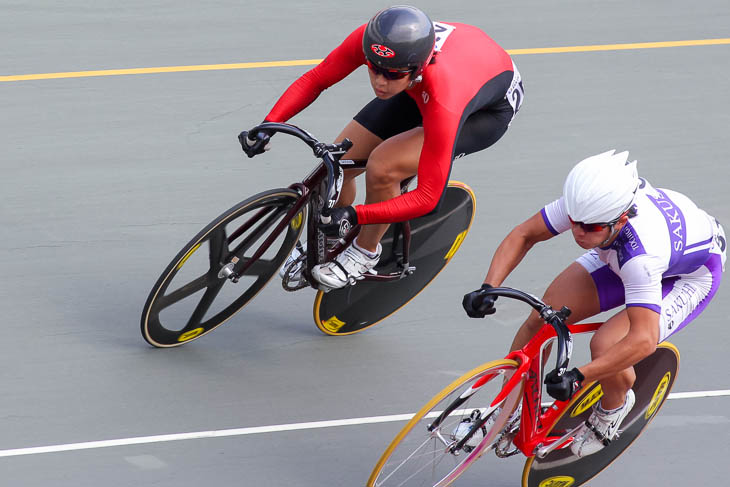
<point x="600" y="188"/>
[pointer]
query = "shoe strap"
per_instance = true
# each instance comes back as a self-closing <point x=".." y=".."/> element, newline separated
<point x="606" y="441"/>
<point x="342" y="268"/>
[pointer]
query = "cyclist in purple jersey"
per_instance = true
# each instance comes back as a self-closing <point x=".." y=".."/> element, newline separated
<point x="652" y="250"/>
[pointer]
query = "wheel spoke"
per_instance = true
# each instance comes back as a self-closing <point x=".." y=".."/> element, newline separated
<point x="422" y="457"/>
<point x="218" y="243"/>
<point x="183" y="292"/>
<point x="204" y="304"/>
<point x="417" y="453"/>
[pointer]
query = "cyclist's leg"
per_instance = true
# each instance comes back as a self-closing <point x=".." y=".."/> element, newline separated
<point x="683" y="299"/>
<point x="398" y="157"/>
<point x="376" y="122"/>
<point x="364" y="141"/>
<point x="390" y="163"/>
<point x="611" y="332"/>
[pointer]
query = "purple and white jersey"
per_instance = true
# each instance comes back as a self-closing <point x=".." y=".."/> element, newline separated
<point x="669" y="236"/>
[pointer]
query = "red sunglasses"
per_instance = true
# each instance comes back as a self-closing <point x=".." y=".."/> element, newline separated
<point x="389" y="74"/>
<point x="596" y="227"/>
<point x="590" y="227"/>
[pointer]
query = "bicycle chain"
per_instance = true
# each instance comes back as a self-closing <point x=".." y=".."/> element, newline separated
<point x="508" y="434"/>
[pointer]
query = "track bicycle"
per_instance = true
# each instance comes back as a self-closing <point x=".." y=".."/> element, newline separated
<point x="477" y="413"/>
<point x="231" y="260"/>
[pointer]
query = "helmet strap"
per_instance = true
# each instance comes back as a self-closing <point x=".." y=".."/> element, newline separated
<point x="611" y="234"/>
<point x="415" y="81"/>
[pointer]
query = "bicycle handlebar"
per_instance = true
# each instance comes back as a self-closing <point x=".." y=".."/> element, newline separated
<point x="319" y="148"/>
<point x="554" y="318"/>
<point x="329" y="153"/>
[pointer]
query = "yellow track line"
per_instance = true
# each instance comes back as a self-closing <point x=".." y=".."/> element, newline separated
<point x="620" y="47"/>
<point x="310" y="62"/>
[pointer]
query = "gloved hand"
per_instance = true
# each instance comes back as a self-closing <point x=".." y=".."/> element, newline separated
<point x="254" y="143"/>
<point x="563" y="387"/>
<point x="477" y="304"/>
<point x="340" y="222"/>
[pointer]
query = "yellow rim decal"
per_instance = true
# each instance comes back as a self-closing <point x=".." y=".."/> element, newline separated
<point x="456" y="245"/>
<point x="297" y="221"/>
<point x="656" y="400"/>
<point x="189" y="335"/>
<point x="187" y="256"/>
<point x="559" y="481"/>
<point x="587" y="402"/>
<point x="333" y="324"/>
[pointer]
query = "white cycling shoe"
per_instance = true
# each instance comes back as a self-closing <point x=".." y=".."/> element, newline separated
<point x="291" y="271"/>
<point x="466" y="425"/>
<point x="602" y="427"/>
<point x="349" y="266"/>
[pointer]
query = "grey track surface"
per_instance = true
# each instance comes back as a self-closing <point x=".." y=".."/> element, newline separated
<point x="102" y="180"/>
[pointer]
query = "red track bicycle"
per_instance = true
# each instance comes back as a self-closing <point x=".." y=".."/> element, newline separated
<point x="474" y="415"/>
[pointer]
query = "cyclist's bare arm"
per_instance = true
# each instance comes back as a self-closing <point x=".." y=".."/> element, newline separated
<point x="514" y="248"/>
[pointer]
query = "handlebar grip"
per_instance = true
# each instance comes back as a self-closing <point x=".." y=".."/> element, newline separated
<point x="346" y="144"/>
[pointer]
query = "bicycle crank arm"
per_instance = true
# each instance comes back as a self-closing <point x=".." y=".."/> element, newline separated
<point x="565" y="440"/>
<point x="408" y="270"/>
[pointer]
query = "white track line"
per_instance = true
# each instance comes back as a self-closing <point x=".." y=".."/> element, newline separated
<point x="261" y="429"/>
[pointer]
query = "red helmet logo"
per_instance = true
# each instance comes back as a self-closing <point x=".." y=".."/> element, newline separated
<point x="382" y="51"/>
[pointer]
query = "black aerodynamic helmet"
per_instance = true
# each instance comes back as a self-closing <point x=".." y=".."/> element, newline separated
<point x="399" y="38"/>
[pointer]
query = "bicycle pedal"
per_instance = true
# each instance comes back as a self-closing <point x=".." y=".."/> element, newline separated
<point x="324" y="289"/>
<point x="566" y="443"/>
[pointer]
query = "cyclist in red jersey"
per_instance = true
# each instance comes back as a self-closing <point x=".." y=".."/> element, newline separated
<point x="442" y="90"/>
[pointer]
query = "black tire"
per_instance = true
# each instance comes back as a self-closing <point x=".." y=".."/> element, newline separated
<point x="655" y="377"/>
<point x="435" y="238"/>
<point x="193" y="273"/>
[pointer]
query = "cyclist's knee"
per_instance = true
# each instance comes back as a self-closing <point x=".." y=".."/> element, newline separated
<point x="600" y="345"/>
<point x="380" y="173"/>
<point x="533" y="324"/>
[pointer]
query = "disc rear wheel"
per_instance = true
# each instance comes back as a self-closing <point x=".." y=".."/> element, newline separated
<point x="435" y="238"/>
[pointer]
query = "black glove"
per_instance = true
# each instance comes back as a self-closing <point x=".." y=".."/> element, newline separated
<point x="254" y="143"/>
<point x="563" y="387"/>
<point x="477" y="304"/>
<point x="341" y="221"/>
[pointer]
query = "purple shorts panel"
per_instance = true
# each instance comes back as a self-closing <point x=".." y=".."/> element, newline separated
<point x="610" y="288"/>
<point x="714" y="265"/>
<point x="611" y="291"/>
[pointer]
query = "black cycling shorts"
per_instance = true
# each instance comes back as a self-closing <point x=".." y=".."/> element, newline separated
<point x="481" y="129"/>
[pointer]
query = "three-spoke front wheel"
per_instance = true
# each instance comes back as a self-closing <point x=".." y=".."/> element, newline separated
<point x="423" y="454"/>
<point x="195" y="293"/>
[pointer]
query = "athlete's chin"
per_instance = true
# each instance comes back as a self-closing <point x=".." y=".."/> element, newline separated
<point x="383" y="95"/>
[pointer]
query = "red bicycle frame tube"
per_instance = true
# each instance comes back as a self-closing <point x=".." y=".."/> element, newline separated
<point x="534" y="424"/>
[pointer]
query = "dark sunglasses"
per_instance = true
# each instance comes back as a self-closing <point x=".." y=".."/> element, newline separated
<point x="389" y="74"/>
